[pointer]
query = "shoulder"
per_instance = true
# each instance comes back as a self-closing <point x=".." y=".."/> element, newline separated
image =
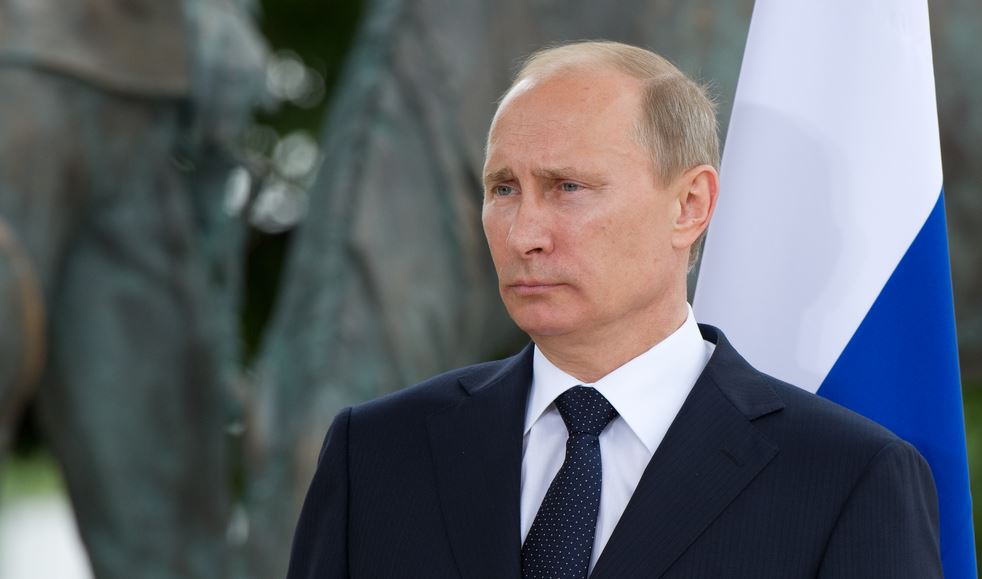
<point x="832" y="467"/>
<point x="433" y="394"/>
<point x="814" y="419"/>
<point x="839" y="450"/>
<point x="791" y="417"/>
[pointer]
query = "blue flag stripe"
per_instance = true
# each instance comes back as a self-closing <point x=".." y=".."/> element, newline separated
<point x="900" y="369"/>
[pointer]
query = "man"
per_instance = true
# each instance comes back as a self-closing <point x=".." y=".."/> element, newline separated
<point x="680" y="459"/>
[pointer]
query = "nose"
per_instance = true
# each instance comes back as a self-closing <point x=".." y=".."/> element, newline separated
<point x="531" y="231"/>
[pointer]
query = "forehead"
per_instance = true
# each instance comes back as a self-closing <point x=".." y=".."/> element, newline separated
<point x="573" y="107"/>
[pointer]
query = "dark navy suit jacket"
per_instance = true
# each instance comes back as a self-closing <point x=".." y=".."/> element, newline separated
<point x="755" y="479"/>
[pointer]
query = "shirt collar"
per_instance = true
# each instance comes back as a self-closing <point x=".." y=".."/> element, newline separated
<point x="647" y="391"/>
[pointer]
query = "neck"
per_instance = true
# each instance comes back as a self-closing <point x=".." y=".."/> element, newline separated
<point x="590" y="357"/>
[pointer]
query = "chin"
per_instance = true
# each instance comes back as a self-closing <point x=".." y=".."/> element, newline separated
<point x="542" y="325"/>
<point x="542" y="315"/>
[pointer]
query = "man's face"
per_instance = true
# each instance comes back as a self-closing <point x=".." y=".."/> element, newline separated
<point x="579" y="229"/>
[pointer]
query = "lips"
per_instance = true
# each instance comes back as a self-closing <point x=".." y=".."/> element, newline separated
<point x="533" y="287"/>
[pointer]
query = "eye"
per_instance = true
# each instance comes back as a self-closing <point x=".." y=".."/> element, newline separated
<point x="569" y="187"/>
<point x="503" y="190"/>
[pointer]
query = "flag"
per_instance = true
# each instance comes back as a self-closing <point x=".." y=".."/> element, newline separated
<point x="827" y="260"/>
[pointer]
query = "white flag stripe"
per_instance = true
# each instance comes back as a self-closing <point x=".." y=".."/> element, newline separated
<point x="826" y="138"/>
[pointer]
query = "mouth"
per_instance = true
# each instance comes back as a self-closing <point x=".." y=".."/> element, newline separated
<point x="532" y="287"/>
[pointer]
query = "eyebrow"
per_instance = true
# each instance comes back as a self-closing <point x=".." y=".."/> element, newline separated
<point x="554" y="174"/>
<point x="503" y="174"/>
<point x="560" y="173"/>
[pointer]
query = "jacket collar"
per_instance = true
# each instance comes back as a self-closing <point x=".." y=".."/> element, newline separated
<point x="477" y="451"/>
<point x="708" y="456"/>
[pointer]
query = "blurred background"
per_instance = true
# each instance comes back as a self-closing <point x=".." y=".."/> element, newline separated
<point x="222" y="221"/>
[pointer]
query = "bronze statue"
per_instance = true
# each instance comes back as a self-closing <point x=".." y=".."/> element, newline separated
<point x="116" y="119"/>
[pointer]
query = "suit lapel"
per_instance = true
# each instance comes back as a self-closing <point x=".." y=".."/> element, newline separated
<point x="477" y="451"/>
<point x="709" y="454"/>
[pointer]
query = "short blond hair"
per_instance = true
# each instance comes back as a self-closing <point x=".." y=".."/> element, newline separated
<point x="677" y="121"/>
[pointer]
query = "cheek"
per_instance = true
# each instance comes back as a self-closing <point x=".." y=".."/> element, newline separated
<point x="630" y="247"/>
<point x="492" y="233"/>
<point x="625" y="235"/>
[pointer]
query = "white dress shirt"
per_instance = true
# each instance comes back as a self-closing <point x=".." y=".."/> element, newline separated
<point x="647" y="392"/>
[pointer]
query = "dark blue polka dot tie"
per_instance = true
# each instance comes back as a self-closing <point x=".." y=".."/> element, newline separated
<point x="560" y="541"/>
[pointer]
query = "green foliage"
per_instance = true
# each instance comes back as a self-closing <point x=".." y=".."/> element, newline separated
<point x="30" y="474"/>
<point x="972" y="394"/>
<point x="320" y="34"/>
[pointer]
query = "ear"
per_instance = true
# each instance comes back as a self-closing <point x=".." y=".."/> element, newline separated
<point x="697" y="191"/>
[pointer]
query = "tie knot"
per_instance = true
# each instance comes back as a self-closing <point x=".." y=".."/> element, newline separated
<point x="585" y="410"/>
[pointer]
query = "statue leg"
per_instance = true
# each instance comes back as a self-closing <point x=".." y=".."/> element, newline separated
<point x="130" y="401"/>
<point x="22" y="341"/>
<point x="33" y="227"/>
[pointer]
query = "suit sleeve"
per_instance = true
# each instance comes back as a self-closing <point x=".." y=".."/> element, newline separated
<point x="888" y="528"/>
<point x="320" y="543"/>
